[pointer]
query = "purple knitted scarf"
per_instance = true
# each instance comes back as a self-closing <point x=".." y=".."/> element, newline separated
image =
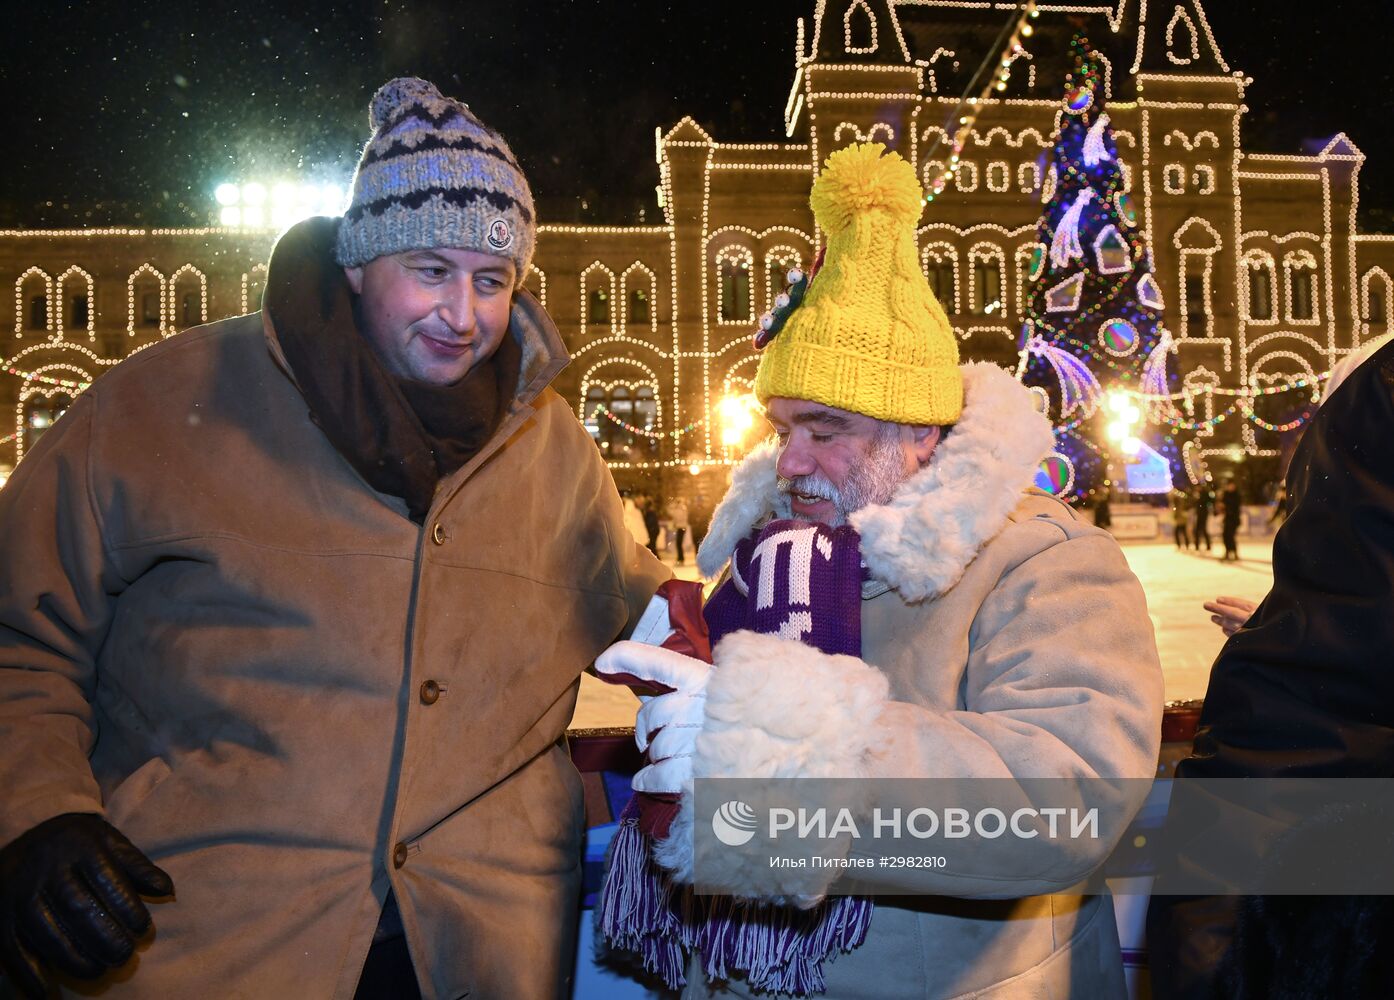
<point x="799" y="581"/>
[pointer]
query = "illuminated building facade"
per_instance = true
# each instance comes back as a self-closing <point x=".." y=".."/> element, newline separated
<point x="1264" y="277"/>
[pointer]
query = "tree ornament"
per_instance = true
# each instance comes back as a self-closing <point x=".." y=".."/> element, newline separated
<point x="1148" y="292"/>
<point x="1066" y="246"/>
<point x="1112" y="252"/>
<point x="1155" y="380"/>
<point x="1119" y="338"/>
<point x="1095" y="152"/>
<point x="1056" y="475"/>
<point x="1096" y="323"/>
<point x="1065" y="296"/>
<point x="1127" y="209"/>
<point x="1079" y="389"/>
<point x="1037" y="264"/>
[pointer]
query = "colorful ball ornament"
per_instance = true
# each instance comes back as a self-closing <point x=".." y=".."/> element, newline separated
<point x="1056" y="475"/>
<point x="1037" y="265"/>
<point x="1079" y="100"/>
<point x="1119" y="337"/>
<point x="1127" y="209"/>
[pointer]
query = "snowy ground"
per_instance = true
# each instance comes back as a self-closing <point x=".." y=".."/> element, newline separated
<point x="1177" y="584"/>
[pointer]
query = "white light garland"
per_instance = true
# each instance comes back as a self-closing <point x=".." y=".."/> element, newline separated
<point x="253" y="284"/>
<point x="21" y="311"/>
<point x="991" y="256"/>
<point x="646" y="285"/>
<point x="1349" y="272"/>
<point x="176" y="314"/>
<point x="1300" y="266"/>
<point x="131" y="297"/>
<point x="536" y="282"/>
<point x="602" y="289"/>
<point x="1255" y="262"/>
<point x="1094" y="150"/>
<point x="1065" y="246"/>
<point x="867" y="22"/>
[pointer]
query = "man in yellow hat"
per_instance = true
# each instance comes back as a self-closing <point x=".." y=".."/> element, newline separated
<point x="1000" y="637"/>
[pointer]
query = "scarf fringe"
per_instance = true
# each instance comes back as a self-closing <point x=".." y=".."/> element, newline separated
<point x="780" y="949"/>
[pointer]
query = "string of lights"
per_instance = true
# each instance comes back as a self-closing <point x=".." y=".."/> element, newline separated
<point x="1302" y="382"/>
<point x="1292" y="425"/>
<point x="1244" y="407"/>
<point x="643" y="431"/>
<point x="45" y="379"/>
<point x="1016" y="31"/>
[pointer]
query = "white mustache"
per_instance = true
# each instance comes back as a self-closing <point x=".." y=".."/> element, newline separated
<point x="810" y="486"/>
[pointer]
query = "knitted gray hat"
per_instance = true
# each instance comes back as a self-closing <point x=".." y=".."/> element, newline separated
<point x="434" y="175"/>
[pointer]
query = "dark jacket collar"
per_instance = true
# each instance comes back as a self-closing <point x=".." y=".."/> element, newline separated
<point x="360" y="408"/>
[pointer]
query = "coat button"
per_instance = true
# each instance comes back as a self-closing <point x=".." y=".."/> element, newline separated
<point x="399" y="855"/>
<point x="438" y="534"/>
<point x="430" y="692"/>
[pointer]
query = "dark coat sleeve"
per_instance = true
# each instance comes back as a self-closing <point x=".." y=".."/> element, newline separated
<point x="1306" y="687"/>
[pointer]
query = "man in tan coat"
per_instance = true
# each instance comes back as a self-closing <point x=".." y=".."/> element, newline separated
<point x="1001" y="637"/>
<point x="293" y="609"/>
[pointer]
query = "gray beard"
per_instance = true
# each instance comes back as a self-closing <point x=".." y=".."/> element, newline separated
<point x="873" y="481"/>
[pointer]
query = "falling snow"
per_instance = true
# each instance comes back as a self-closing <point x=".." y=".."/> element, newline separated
<point x="154" y="100"/>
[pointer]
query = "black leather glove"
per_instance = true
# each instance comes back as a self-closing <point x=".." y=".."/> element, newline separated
<point x="70" y="893"/>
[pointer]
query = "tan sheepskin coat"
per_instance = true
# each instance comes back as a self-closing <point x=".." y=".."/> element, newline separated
<point x="1002" y="637"/>
<point x="216" y="634"/>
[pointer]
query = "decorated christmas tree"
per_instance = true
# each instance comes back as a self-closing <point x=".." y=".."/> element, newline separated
<point x="1093" y="345"/>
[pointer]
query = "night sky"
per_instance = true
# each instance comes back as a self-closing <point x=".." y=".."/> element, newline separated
<point x="139" y="107"/>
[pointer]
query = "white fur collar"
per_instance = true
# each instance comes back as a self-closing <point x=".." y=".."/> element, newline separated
<point x="922" y="541"/>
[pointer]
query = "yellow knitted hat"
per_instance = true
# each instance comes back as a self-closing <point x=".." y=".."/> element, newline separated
<point x="868" y="336"/>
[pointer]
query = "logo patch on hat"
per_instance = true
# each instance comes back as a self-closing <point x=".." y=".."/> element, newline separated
<point x="500" y="236"/>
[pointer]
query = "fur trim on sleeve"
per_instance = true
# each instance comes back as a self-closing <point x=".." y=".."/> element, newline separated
<point x="923" y="540"/>
<point x="775" y="709"/>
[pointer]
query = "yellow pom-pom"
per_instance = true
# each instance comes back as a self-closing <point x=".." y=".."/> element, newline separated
<point x="857" y="180"/>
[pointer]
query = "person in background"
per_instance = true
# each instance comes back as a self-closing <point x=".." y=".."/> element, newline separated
<point x="1203" y="502"/>
<point x="649" y="506"/>
<point x="1103" y="515"/>
<point x="1180" y="518"/>
<point x="1280" y="506"/>
<point x="699" y="516"/>
<point x="634" y="520"/>
<point x="677" y="515"/>
<point x="1232" y="501"/>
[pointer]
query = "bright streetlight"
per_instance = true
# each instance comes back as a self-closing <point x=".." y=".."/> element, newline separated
<point x="280" y="203"/>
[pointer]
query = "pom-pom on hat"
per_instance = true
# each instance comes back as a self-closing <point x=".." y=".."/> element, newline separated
<point x="434" y="175"/>
<point x="869" y="336"/>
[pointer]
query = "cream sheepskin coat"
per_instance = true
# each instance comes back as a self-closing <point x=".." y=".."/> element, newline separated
<point x="1002" y="637"/>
